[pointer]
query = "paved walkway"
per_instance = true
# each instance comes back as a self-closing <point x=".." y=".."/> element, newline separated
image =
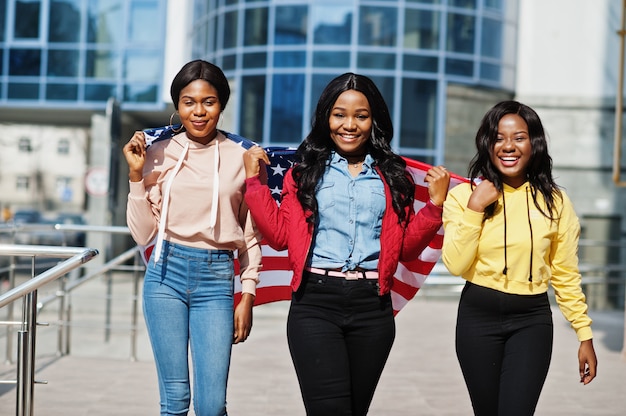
<point x="421" y="378"/>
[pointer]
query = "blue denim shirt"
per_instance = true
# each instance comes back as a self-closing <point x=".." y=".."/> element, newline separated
<point x="350" y="217"/>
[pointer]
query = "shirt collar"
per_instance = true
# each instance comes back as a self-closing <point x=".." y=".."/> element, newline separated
<point x="336" y="158"/>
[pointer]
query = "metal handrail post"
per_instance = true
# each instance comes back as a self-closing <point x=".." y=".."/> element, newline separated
<point x="10" y="314"/>
<point x="26" y="360"/>
<point x="135" y="310"/>
<point x="61" y="329"/>
<point x="619" y="104"/>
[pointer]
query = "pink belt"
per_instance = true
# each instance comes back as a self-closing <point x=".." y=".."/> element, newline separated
<point x="349" y="275"/>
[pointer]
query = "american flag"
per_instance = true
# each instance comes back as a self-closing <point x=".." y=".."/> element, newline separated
<point x="275" y="279"/>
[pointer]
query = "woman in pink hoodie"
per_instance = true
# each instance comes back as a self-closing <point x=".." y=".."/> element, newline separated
<point x="181" y="194"/>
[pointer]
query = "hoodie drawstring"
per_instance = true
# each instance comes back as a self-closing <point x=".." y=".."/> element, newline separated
<point x="530" y="227"/>
<point x="166" y="201"/>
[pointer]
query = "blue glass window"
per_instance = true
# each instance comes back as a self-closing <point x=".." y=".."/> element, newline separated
<point x="494" y="4"/>
<point x="61" y="92"/>
<point x="290" y="59"/>
<point x="255" y="60"/>
<point x="491" y="72"/>
<point x="252" y="108"/>
<point x="27" y="15"/>
<point x="140" y="93"/>
<point x="467" y="4"/>
<point x="386" y="87"/>
<point x="378" y="26"/>
<point x="420" y="63"/>
<point x="229" y="62"/>
<point x="459" y="67"/>
<point x="256" y="27"/>
<point x="99" y="92"/>
<point x="325" y="59"/>
<point x="287" y="103"/>
<point x="291" y="25"/>
<point x="65" y="22"/>
<point x="26" y="62"/>
<point x="418" y="113"/>
<point x="3" y="16"/>
<point x="230" y="30"/>
<point x="142" y="66"/>
<point x="332" y="25"/>
<point x="102" y="64"/>
<point x="103" y="21"/>
<point x="461" y="30"/>
<point x="62" y="63"/>
<point x="23" y="91"/>
<point x="424" y="1"/>
<point x="421" y="29"/>
<point x="318" y="83"/>
<point x="143" y="21"/>
<point x="374" y="60"/>
<point x="491" y="44"/>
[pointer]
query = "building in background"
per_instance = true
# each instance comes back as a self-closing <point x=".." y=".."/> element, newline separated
<point x="440" y="65"/>
<point x="60" y="63"/>
<point x="279" y="55"/>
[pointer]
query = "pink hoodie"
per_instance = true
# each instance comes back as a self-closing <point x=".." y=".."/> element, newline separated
<point x="188" y="218"/>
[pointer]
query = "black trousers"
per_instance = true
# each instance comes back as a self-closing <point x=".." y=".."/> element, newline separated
<point x="504" y="347"/>
<point x="340" y="333"/>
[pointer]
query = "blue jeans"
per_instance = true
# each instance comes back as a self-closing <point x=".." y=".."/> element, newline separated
<point x="188" y="304"/>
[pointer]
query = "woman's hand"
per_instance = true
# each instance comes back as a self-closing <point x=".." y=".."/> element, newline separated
<point x="587" y="361"/>
<point x="482" y="196"/>
<point x="252" y="160"/>
<point x="243" y="318"/>
<point x="135" y="154"/>
<point x="438" y="179"/>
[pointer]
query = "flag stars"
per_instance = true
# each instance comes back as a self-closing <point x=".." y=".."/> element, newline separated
<point x="278" y="170"/>
<point x="275" y="190"/>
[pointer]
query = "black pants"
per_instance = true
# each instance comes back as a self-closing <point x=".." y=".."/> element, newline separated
<point x="340" y="333"/>
<point x="504" y="347"/>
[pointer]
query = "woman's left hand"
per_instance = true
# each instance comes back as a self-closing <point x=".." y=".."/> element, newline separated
<point x="587" y="361"/>
<point x="438" y="179"/>
<point x="243" y="318"/>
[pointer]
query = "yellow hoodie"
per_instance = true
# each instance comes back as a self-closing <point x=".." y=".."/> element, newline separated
<point x="479" y="251"/>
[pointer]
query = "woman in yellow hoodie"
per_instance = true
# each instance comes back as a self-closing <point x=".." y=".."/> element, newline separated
<point x="511" y="233"/>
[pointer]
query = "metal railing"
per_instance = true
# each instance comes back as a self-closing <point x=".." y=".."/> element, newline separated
<point x="26" y="335"/>
<point x="69" y="274"/>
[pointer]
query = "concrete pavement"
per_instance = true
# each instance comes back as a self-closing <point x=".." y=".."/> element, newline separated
<point x="421" y="378"/>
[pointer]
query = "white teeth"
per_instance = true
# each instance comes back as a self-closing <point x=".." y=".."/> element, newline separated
<point x="509" y="159"/>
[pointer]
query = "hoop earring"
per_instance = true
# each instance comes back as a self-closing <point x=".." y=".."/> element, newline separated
<point x="172" y="123"/>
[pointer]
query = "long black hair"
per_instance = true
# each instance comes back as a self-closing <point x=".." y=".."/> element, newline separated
<point x="314" y="152"/>
<point x="539" y="170"/>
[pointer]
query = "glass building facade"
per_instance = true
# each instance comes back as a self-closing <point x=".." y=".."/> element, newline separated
<point x="280" y="54"/>
<point x="66" y="54"/>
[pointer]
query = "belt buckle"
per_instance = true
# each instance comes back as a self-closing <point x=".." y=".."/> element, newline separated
<point x="352" y="274"/>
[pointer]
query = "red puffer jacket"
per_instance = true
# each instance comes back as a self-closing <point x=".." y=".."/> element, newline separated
<point x="285" y="227"/>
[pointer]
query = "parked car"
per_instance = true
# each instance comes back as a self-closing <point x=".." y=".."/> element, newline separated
<point x="73" y="238"/>
<point x="26" y="216"/>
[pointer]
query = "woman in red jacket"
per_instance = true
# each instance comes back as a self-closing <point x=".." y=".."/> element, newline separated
<point x="346" y="217"/>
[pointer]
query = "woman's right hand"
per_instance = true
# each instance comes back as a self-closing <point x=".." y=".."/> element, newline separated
<point x="135" y="154"/>
<point x="252" y="159"/>
<point x="482" y="196"/>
